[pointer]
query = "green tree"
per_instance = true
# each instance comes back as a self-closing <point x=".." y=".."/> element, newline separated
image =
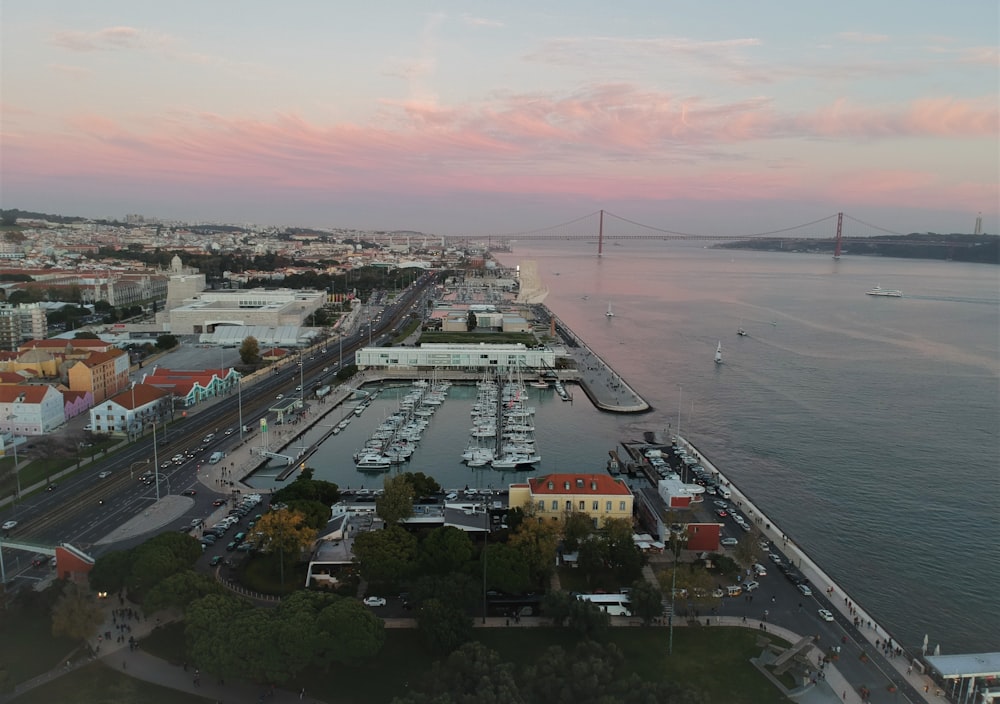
<point x="250" y="350"/>
<point x="211" y="636"/>
<point x="558" y="605"/>
<point x="76" y="613"/>
<point x="507" y="570"/>
<point x="422" y="484"/>
<point x="471" y="322"/>
<point x="587" y="619"/>
<point x="748" y="550"/>
<point x="457" y="588"/>
<point x="111" y="571"/>
<point x="645" y="601"/>
<point x="443" y="626"/>
<point x="396" y="501"/>
<point x="308" y="489"/>
<point x="160" y="557"/>
<point x="444" y="550"/>
<point x="577" y="527"/>
<point x="386" y="556"/>
<point x="179" y="590"/>
<point x="357" y="633"/>
<point x="166" y="342"/>
<point x="472" y="674"/>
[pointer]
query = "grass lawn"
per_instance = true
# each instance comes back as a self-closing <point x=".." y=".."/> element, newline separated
<point x="714" y="659"/>
<point x="97" y="684"/>
<point x="28" y="648"/>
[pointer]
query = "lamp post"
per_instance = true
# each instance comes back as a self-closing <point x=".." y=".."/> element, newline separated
<point x="486" y="535"/>
<point x="156" y="464"/>
<point x="17" y="474"/>
<point x="239" y="394"/>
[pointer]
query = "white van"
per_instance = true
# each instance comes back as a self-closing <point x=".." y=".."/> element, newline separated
<point x="723" y="491"/>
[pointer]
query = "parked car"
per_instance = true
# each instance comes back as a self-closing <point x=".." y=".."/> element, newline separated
<point x="374" y="601"/>
<point x="825" y="615"/>
<point x="806" y="591"/>
<point x="750" y="586"/>
<point x="729" y="542"/>
<point x="215" y="560"/>
<point x="189" y="492"/>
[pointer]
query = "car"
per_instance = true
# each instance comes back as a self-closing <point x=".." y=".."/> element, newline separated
<point x="718" y="593"/>
<point x="326" y="369"/>
<point x="51" y="487"/>
<point x="164" y="465"/>
<point x="215" y="561"/>
<point x="279" y="397"/>
<point x="105" y="474"/>
<point x="231" y="546"/>
<point x="230" y="431"/>
<point x="39" y="561"/>
<point x="374" y="601"/>
<point x="775" y="558"/>
<point x="729" y="542"/>
<point x="189" y="492"/>
<point x="88" y="427"/>
<point x="759" y="570"/>
<point x="721" y="512"/>
<point x="804" y="588"/>
<point x="208" y="438"/>
<point x="721" y="504"/>
<point x="219" y="502"/>
<point x="298" y="388"/>
<point x="750" y="586"/>
<point x="825" y="615"/>
<point x="244" y="547"/>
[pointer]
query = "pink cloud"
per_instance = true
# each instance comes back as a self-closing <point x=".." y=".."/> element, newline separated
<point x="107" y="39"/>
<point x="609" y="141"/>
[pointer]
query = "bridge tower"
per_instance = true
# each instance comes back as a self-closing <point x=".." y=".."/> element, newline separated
<point x="840" y="232"/>
<point x="600" y="235"/>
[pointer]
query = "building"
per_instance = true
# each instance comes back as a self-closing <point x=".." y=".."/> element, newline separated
<point x="242" y="307"/>
<point x="30" y="409"/>
<point x="554" y="496"/>
<point x="102" y="373"/>
<point x="464" y="357"/>
<point x="676" y="494"/>
<point x="129" y="411"/>
<point x="189" y="387"/>
<point x="25" y="321"/>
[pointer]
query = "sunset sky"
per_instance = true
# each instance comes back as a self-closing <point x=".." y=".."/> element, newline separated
<point x="478" y="118"/>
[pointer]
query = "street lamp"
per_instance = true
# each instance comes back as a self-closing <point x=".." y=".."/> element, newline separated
<point x="156" y="464"/>
<point x="239" y="393"/>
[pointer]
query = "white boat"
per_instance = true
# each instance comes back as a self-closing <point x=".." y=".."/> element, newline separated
<point x="718" y="353"/>
<point x="372" y="461"/>
<point x="610" y="313"/>
<point x="741" y="332"/>
<point x="889" y="292"/>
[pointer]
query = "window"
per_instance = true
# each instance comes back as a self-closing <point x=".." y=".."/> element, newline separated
<point x="583" y="505"/>
<point x="541" y="505"/>
<point x="596" y="504"/>
<point x="555" y="504"/>
<point x="607" y="507"/>
<point x="569" y="506"/>
<point x="621" y="505"/>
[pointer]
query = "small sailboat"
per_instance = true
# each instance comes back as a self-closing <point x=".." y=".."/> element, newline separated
<point x="610" y="313"/>
<point x="741" y="332"/>
<point x="718" y="353"/>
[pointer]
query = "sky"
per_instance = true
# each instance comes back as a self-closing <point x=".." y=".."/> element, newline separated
<point x="477" y="118"/>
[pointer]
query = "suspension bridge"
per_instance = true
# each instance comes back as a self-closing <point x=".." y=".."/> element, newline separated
<point x="604" y="226"/>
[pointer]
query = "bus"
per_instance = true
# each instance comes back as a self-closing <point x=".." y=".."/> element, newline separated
<point x="611" y="604"/>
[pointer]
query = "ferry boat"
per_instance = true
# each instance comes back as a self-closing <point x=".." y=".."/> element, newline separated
<point x="372" y="461"/>
<point x="890" y="292"/>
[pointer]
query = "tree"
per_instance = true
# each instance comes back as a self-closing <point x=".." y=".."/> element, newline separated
<point x="111" y="571"/>
<point x="444" y="550"/>
<point x="443" y="626"/>
<point x="587" y="619"/>
<point x="577" y="527"/>
<point x="748" y="549"/>
<point x="306" y="488"/>
<point x="396" y="501"/>
<point x="356" y="633"/>
<point x="472" y="674"/>
<point x="422" y="484"/>
<point x="209" y="633"/>
<point x="386" y="556"/>
<point x="645" y="601"/>
<point x="471" y="322"/>
<point x="179" y="590"/>
<point x="557" y="606"/>
<point x="457" y="588"/>
<point x="537" y="545"/>
<point x="160" y="557"/>
<point x="250" y="350"/>
<point x="166" y="342"/>
<point x="284" y="532"/>
<point x="507" y="570"/>
<point x="76" y="613"/>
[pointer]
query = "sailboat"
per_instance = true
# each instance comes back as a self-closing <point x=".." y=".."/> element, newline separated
<point x="610" y="313"/>
<point x="718" y="353"/>
<point x="741" y="332"/>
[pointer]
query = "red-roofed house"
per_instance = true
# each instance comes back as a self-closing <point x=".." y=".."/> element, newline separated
<point x="128" y="411"/>
<point x="30" y="410"/>
<point x="191" y="386"/>
<point x="102" y="373"/>
<point x="553" y="496"/>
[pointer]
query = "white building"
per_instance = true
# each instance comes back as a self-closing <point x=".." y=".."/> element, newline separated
<point x="464" y="357"/>
<point x="257" y="306"/>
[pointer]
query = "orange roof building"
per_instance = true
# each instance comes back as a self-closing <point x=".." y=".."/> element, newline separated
<point x="554" y="496"/>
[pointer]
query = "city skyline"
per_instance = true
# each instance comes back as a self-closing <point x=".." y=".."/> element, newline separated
<point x="467" y="118"/>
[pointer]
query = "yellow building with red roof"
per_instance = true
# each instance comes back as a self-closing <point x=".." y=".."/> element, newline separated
<point x="553" y="496"/>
